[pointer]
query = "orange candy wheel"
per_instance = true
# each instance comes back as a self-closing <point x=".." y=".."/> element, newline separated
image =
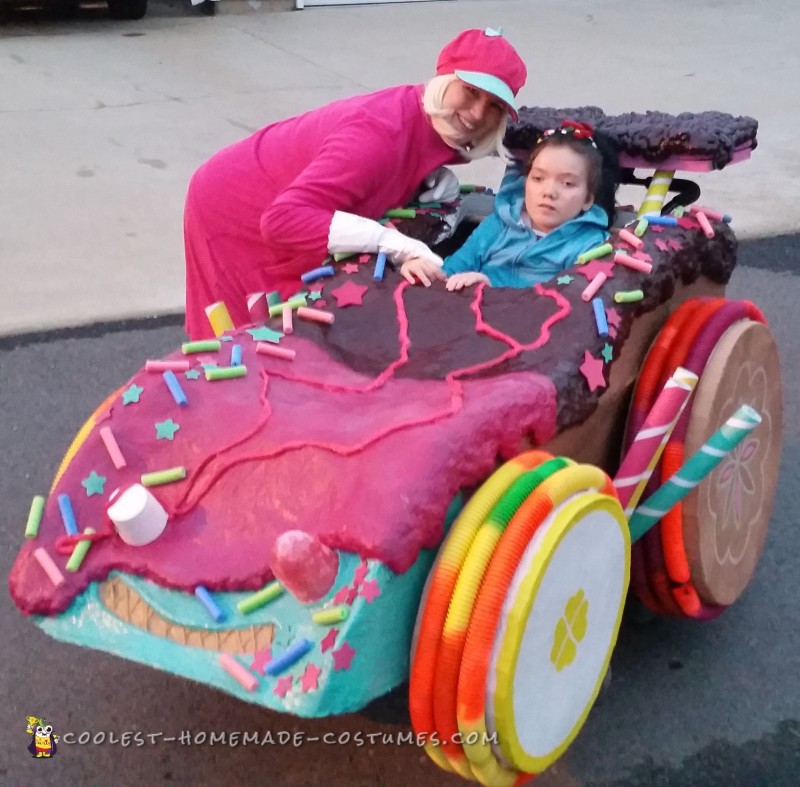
<point x="453" y="683"/>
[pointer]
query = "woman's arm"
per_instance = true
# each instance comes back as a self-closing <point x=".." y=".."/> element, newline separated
<point x="349" y="166"/>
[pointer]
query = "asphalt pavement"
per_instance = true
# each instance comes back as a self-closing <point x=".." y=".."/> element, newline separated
<point x="706" y="704"/>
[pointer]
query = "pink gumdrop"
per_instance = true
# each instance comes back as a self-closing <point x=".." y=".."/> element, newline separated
<point x="304" y="565"/>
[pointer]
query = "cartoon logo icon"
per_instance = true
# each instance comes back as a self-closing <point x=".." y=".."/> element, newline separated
<point x="43" y="743"/>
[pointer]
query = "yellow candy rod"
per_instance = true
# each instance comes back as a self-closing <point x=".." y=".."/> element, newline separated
<point x="163" y="476"/>
<point x="225" y="372"/>
<point x="219" y="318"/>
<point x="264" y="596"/>
<point x="593" y="254"/>
<point x="656" y="192"/>
<point x="209" y="345"/>
<point x="80" y="550"/>
<point x="333" y="615"/>
<point x="34" y="517"/>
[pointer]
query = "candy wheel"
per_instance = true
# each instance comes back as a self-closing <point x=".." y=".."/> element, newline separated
<point x="725" y="519"/>
<point x="439" y="589"/>
<point x="488" y="607"/>
<point x="557" y="630"/>
<point x="465" y="591"/>
<point x="665" y="355"/>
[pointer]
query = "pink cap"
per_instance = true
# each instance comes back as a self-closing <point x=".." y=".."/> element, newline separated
<point x="484" y="59"/>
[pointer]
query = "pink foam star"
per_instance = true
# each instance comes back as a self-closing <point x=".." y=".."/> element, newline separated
<point x="320" y="304"/>
<point x="349" y="294"/>
<point x="643" y="256"/>
<point x="340" y="596"/>
<point x="327" y="642"/>
<point x="283" y="686"/>
<point x="342" y="657"/>
<point x="674" y="244"/>
<point x="613" y="316"/>
<point x="688" y="223"/>
<point x="591" y="269"/>
<point x="612" y="332"/>
<point x="360" y="573"/>
<point x="308" y="682"/>
<point x="364" y="258"/>
<point x="260" y="660"/>
<point x="662" y="245"/>
<point x="351" y="267"/>
<point x="370" y="590"/>
<point x="655" y="228"/>
<point x="592" y="370"/>
<point x="351" y="595"/>
<point x="316" y="287"/>
<point x="623" y="245"/>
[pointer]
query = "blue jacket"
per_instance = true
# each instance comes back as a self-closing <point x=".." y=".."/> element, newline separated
<point x="511" y="254"/>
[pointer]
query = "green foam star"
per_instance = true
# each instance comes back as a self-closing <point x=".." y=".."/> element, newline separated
<point x="565" y="279"/>
<point x="265" y="335"/>
<point x="132" y="394"/>
<point x="165" y="430"/>
<point x="314" y="296"/>
<point x="607" y="353"/>
<point x="192" y="374"/>
<point x="93" y="484"/>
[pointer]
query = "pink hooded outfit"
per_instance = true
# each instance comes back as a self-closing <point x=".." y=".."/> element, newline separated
<point x="258" y="212"/>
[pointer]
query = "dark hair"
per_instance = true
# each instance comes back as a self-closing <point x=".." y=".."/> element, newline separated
<point x="603" y="169"/>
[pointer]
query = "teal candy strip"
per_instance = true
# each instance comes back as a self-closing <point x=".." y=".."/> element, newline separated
<point x="698" y="467"/>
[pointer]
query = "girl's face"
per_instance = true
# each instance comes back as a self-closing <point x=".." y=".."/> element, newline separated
<point x="557" y="187"/>
<point x="475" y="113"/>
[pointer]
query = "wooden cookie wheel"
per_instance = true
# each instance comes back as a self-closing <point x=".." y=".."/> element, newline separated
<point x="702" y="554"/>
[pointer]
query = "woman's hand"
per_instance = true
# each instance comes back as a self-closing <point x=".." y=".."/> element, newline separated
<point x="460" y="280"/>
<point x="423" y="269"/>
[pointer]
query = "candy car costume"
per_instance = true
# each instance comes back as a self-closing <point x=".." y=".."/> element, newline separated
<point x="345" y="456"/>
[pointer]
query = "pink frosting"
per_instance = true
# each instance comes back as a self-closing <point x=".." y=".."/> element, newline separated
<point x="367" y="465"/>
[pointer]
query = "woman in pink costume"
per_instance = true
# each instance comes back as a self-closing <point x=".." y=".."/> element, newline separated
<point x="264" y="210"/>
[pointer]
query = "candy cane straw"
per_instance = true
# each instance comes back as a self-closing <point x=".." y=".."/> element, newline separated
<point x="694" y="470"/>
<point x="656" y="192"/>
<point x="645" y="451"/>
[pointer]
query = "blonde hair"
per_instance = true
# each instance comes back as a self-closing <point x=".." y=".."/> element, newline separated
<point x="491" y="143"/>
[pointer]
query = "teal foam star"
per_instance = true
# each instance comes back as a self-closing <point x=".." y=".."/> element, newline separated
<point x="565" y="279"/>
<point x="265" y="335"/>
<point x="132" y="394"/>
<point x="314" y="296"/>
<point x="192" y="374"/>
<point x="165" y="430"/>
<point x="607" y="353"/>
<point x="93" y="484"/>
<point x="226" y="338"/>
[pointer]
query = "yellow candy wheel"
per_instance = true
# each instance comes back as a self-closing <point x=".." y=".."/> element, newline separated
<point x="439" y="589"/>
<point x="557" y="631"/>
<point x="454" y="631"/>
<point x="488" y="606"/>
